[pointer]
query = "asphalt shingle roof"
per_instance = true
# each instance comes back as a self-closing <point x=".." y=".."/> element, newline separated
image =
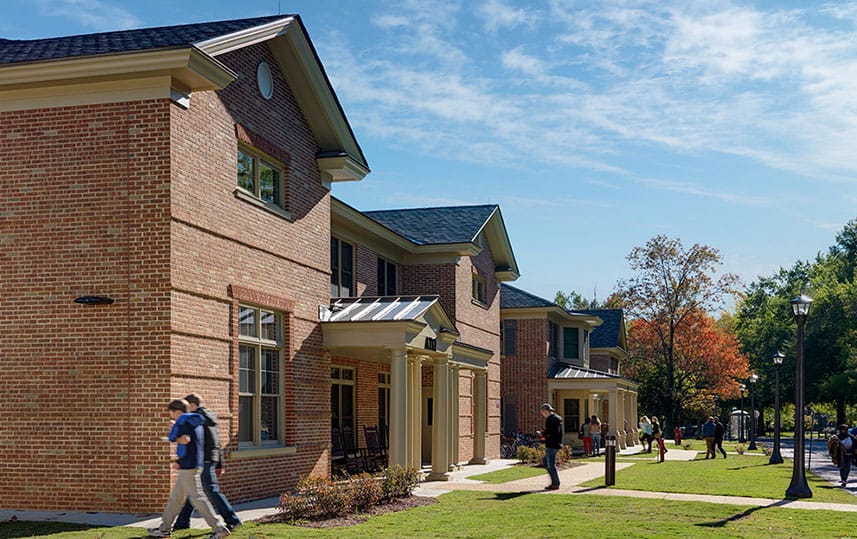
<point x="35" y="50"/>
<point x="515" y="298"/>
<point x="429" y="226"/>
<point x="607" y="334"/>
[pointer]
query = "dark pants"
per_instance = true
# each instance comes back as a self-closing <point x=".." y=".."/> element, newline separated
<point x="217" y="499"/>
<point x="549" y="461"/>
<point x="845" y="468"/>
<point x="718" y="445"/>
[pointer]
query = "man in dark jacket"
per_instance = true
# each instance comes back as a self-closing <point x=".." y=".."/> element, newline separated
<point x="719" y="431"/>
<point x="188" y="434"/>
<point x="552" y="436"/>
<point x="211" y="471"/>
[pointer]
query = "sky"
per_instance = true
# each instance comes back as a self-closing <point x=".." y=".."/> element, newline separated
<point x="594" y="125"/>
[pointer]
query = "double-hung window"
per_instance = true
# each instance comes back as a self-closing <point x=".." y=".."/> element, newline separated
<point x="479" y="292"/>
<point x="342" y="399"/>
<point x="386" y="278"/>
<point x="341" y="269"/>
<point x="261" y="177"/>
<point x="570" y="343"/>
<point x="260" y="384"/>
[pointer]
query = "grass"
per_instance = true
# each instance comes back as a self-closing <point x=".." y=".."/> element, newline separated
<point x="512" y="473"/>
<point x="483" y="514"/>
<point x="737" y="475"/>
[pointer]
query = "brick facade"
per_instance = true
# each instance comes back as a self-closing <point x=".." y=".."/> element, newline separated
<point x="525" y="384"/>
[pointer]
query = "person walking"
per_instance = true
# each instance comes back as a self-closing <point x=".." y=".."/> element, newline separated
<point x="842" y="447"/>
<point x="708" y="435"/>
<point x="646" y="427"/>
<point x="595" y="433"/>
<point x="719" y="431"/>
<point x="657" y="435"/>
<point x="552" y="436"/>
<point x="211" y="471"/>
<point x="188" y="434"/>
<point x="586" y="437"/>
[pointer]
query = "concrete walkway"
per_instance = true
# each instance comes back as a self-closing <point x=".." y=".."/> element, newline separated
<point x="570" y="478"/>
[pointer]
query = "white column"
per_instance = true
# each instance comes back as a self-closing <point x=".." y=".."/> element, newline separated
<point x="399" y="416"/>
<point x="440" y="423"/>
<point x="620" y="420"/>
<point x="454" y="421"/>
<point x="415" y="419"/>
<point x="480" y="390"/>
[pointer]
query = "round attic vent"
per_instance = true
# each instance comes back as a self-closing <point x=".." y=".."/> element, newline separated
<point x="265" y="80"/>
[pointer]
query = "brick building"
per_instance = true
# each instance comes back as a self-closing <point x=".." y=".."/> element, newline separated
<point x="166" y="226"/>
<point x="570" y="359"/>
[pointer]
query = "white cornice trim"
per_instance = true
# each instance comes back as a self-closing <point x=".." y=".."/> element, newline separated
<point x="243" y="38"/>
<point x="341" y="168"/>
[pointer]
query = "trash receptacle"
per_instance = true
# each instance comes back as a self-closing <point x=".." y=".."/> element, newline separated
<point x="610" y="460"/>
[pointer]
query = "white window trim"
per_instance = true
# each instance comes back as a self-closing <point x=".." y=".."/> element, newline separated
<point x="258" y="344"/>
<point x="279" y="206"/>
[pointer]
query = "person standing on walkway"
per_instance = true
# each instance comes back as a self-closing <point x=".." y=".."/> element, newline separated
<point x="188" y="433"/>
<point x="842" y="447"/>
<point x="719" y="431"/>
<point x="708" y="435"/>
<point x="212" y="469"/>
<point x="553" y="442"/>
<point x="658" y="436"/>
<point x="646" y="426"/>
<point x="586" y="437"/>
<point x="595" y="433"/>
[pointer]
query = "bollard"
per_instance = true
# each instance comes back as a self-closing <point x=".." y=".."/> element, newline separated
<point x="610" y="460"/>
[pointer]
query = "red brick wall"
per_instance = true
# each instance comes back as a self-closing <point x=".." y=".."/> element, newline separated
<point x="221" y="241"/>
<point x="525" y="374"/>
<point x="84" y="209"/>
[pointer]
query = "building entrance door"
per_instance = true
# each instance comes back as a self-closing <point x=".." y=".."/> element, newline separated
<point x="427" y="418"/>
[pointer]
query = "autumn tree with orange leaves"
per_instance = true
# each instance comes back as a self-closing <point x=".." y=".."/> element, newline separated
<point x="677" y="353"/>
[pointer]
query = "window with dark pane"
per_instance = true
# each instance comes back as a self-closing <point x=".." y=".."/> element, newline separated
<point x="570" y="341"/>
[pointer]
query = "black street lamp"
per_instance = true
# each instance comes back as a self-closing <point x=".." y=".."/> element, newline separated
<point x="753" y="379"/>
<point x="776" y="458"/>
<point x="716" y="400"/>
<point x="799" y="487"/>
<point x="741" y="438"/>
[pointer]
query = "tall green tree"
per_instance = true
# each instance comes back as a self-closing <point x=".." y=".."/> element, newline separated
<point x="671" y="286"/>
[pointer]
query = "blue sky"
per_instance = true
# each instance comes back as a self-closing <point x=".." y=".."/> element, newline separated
<point x="594" y="125"/>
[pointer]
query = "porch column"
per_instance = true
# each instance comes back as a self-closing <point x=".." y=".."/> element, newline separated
<point x="440" y="422"/>
<point x="635" y="414"/>
<point x="480" y="390"/>
<point x="454" y="421"/>
<point x="622" y="439"/>
<point x="612" y="411"/>
<point x="399" y="412"/>
<point x="415" y="408"/>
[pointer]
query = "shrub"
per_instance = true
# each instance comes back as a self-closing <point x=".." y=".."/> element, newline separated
<point x="688" y="445"/>
<point x="530" y="455"/>
<point x="364" y="491"/>
<point x="739" y="448"/>
<point x="767" y="450"/>
<point x="563" y="455"/>
<point x="315" y="498"/>
<point x="397" y="482"/>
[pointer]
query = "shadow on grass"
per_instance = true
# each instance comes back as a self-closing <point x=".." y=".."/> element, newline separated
<point x="504" y="496"/>
<point x="739" y="516"/>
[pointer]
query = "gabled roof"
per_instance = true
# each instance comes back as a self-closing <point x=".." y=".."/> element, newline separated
<point x="430" y="226"/>
<point x="515" y="298"/>
<point x="561" y="371"/>
<point x="35" y="50"/>
<point x="608" y="334"/>
<point x="174" y="62"/>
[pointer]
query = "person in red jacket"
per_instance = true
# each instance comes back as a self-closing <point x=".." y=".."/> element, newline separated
<point x="677" y="436"/>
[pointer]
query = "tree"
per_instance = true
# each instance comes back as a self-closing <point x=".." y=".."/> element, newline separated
<point x="671" y="287"/>
<point x="572" y="301"/>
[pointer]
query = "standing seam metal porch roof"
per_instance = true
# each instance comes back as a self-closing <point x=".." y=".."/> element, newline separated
<point x="561" y="371"/>
<point x="379" y="309"/>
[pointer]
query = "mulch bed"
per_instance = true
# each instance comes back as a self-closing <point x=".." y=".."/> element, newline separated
<point x="399" y="504"/>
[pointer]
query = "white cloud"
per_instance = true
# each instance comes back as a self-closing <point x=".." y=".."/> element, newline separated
<point x="390" y="21"/>
<point x="95" y="14"/>
<point x="497" y="14"/>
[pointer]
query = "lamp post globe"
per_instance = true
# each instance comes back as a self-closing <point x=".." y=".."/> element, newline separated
<point x="798" y="488"/>
<point x="753" y="379"/>
<point x="776" y="457"/>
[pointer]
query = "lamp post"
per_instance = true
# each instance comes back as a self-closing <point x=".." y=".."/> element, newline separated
<point x="798" y="488"/>
<point x="753" y="379"/>
<point x="776" y="458"/>
<point x="716" y="400"/>
<point x="741" y="438"/>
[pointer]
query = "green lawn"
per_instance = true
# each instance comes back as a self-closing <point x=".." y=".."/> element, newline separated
<point x="482" y="514"/>
<point x="737" y="475"/>
<point x="512" y="473"/>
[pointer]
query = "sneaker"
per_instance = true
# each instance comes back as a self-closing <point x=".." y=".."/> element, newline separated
<point x="232" y="527"/>
<point x="158" y="532"/>
<point x="219" y="533"/>
<point x="552" y="487"/>
<point x="842" y="484"/>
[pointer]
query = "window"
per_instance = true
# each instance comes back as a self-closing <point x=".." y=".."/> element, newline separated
<point x="260" y="388"/>
<point x="571" y="414"/>
<point x="479" y="289"/>
<point x="341" y="268"/>
<point x="510" y="337"/>
<point x="342" y="399"/>
<point x="383" y="404"/>
<point x="569" y="343"/>
<point x="386" y="278"/>
<point x="260" y="177"/>
<point x="553" y="339"/>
